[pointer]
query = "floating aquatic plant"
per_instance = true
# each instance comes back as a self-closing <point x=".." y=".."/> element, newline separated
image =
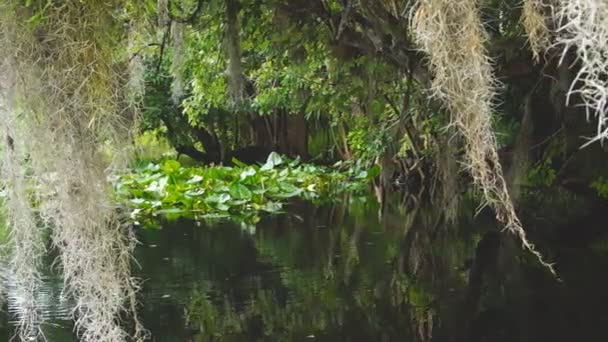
<point x="240" y="193"/>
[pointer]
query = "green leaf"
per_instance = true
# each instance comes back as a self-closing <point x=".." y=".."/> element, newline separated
<point x="170" y="211"/>
<point x="223" y="207"/>
<point x="218" y="198"/>
<point x="274" y="159"/>
<point x="361" y="174"/>
<point x="194" y="193"/>
<point x="248" y="172"/>
<point x="238" y="162"/>
<point x="374" y="171"/>
<point x="195" y="179"/>
<point x="240" y="191"/>
<point x="157" y="186"/>
<point x="138" y="201"/>
<point x="170" y="166"/>
<point x="273" y="207"/>
<point x="289" y="190"/>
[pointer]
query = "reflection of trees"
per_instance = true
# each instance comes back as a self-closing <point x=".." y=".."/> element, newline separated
<point x="426" y="275"/>
<point x="342" y="275"/>
<point x="346" y="275"/>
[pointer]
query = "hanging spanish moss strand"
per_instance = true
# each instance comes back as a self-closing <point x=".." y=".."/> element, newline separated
<point x="25" y="241"/>
<point x="162" y="10"/>
<point x="583" y="27"/>
<point x="69" y="97"/>
<point x="177" y="62"/>
<point x="534" y="21"/>
<point x="136" y="67"/>
<point x="452" y="35"/>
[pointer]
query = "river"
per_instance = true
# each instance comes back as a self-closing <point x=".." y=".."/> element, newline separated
<point x="343" y="273"/>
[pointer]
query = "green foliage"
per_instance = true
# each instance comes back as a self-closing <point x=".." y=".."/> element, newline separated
<point x="240" y="193"/>
<point x="290" y="68"/>
<point x="601" y="186"/>
<point x="367" y="144"/>
<point x="542" y="174"/>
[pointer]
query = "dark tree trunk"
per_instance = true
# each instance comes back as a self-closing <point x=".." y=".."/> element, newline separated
<point x="297" y="135"/>
<point x="283" y="132"/>
<point x="184" y="137"/>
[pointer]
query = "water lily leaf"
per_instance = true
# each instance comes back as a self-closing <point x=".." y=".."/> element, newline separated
<point x="177" y="197"/>
<point x="289" y="190"/>
<point x="158" y="186"/>
<point x="137" y="200"/>
<point x="218" y="198"/>
<point x="223" y="198"/>
<point x="170" y="166"/>
<point x="273" y="207"/>
<point x="218" y="188"/>
<point x="222" y="207"/>
<point x="170" y="211"/>
<point x="152" y="167"/>
<point x="147" y="178"/>
<point x="194" y="193"/>
<point x="260" y="191"/>
<point x="274" y="159"/>
<point x="135" y="213"/>
<point x="215" y="215"/>
<point x="248" y="172"/>
<point x="195" y="179"/>
<point x="240" y="191"/>
<point x="295" y="162"/>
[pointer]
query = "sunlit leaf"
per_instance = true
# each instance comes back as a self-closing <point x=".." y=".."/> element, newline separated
<point x="170" y="166"/>
<point x="248" y="172"/>
<point x="195" y="179"/>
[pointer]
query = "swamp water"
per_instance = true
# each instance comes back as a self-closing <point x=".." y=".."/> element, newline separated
<point x="342" y="274"/>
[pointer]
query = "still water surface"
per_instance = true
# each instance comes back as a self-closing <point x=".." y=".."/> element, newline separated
<point x="342" y="273"/>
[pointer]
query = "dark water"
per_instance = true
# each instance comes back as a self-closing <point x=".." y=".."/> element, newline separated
<point x="342" y="274"/>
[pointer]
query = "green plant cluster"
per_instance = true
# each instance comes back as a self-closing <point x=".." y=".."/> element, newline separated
<point x="542" y="174"/>
<point x="601" y="186"/>
<point x="239" y="193"/>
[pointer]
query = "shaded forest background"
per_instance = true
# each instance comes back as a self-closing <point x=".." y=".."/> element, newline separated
<point x="344" y="80"/>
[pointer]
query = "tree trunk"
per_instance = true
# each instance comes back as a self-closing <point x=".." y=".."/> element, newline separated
<point x="236" y="78"/>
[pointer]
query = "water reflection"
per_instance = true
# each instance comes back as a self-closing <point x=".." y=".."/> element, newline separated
<point x="342" y="274"/>
<point x="325" y="273"/>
